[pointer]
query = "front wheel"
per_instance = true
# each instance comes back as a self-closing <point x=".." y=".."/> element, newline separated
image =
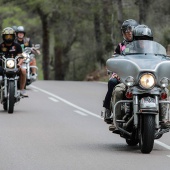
<point x="147" y="133"/>
<point x="11" y="97"/>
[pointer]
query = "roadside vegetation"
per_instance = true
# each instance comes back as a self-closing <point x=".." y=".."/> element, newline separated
<point x="77" y="37"/>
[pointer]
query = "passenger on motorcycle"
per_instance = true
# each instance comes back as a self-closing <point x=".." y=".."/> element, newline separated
<point x="126" y="30"/>
<point x="11" y="49"/>
<point x="25" y="42"/>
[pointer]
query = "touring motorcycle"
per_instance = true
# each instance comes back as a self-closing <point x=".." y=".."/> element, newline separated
<point x="9" y="93"/>
<point x="143" y="68"/>
<point x="29" y="53"/>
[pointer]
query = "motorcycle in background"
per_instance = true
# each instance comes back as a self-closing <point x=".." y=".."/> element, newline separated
<point x="144" y="71"/>
<point x="29" y="54"/>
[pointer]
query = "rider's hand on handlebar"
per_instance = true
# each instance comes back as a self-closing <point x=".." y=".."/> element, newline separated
<point x="19" y="65"/>
<point x="114" y="75"/>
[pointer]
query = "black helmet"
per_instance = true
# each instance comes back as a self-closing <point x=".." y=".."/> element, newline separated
<point x="142" y="32"/>
<point x="21" y="29"/>
<point x="8" y="35"/>
<point x="129" y="24"/>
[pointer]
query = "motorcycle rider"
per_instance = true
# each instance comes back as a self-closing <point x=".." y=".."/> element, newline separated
<point x="11" y="49"/>
<point x="25" y="42"/>
<point x="126" y="30"/>
<point x="138" y="32"/>
<point x="141" y="32"/>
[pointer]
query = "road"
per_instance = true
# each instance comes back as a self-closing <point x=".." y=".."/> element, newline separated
<point x="59" y="128"/>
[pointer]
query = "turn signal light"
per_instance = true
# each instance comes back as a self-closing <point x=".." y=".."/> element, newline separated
<point x="129" y="95"/>
<point x="163" y="95"/>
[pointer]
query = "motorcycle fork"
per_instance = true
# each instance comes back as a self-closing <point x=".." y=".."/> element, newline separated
<point x="157" y="115"/>
<point x="5" y="87"/>
<point x="28" y="71"/>
<point x="136" y="110"/>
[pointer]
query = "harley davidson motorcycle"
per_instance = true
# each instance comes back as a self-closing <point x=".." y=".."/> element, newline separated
<point x="9" y="93"/>
<point x="29" y="53"/>
<point x="143" y="67"/>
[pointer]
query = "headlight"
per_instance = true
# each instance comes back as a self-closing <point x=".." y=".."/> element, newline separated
<point x="147" y="81"/>
<point x="10" y="64"/>
<point x="130" y="81"/>
<point x="164" y="82"/>
<point x="24" y="55"/>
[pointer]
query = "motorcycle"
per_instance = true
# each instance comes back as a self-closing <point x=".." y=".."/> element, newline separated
<point x="9" y="93"/>
<point x="144" y="71"/>
<point x="29" y="53"/>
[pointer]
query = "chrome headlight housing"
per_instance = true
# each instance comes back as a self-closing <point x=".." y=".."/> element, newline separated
<point x="147" y="81"/>
<point x="10" y="64"/>
<point x="130" y="81"/>
<point x="24" y="55"/>
<point x="164" y="82"/>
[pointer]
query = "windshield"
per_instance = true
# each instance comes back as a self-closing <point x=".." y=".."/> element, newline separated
<point x="144" y="47"/>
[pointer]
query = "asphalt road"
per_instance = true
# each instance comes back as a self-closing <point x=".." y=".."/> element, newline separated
<point x="59" y="128"/>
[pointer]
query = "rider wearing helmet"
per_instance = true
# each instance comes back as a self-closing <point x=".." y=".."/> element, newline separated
<point x="142" y="32"/>
<point x="25" y="42"/>
<point x="11" y="49"/>
<point x="21" y="39"/>
<point x="127" y="33"/>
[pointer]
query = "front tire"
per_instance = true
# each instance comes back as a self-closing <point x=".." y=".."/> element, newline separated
<point x="11" y="97"/>
<point x="147" y="133"/>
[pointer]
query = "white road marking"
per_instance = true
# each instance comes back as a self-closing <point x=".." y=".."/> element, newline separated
<point x="54" y="100"/>
<point x="79" y="112"/>
<point x="86" y="111"/>
<point x="168" y="156"/>
<point x="67" y="102"/>
<point x="162" y="144"/>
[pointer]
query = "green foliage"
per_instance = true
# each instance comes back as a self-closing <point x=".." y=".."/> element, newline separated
<point x="72" y="28"/>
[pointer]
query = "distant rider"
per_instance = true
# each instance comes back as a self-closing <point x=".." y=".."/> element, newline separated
<point x="25" y="42"/>
<point x="11" y="49"/>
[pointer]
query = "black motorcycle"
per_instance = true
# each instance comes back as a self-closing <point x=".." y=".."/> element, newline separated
<point x="9" y="93"/>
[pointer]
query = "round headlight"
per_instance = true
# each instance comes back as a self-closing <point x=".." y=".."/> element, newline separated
<point x="164" y="82"/>
<point x="130" y="81"/>
<point x="24" y="55"/>
<point x="10" y="64"/>
<point x="147" y="81"/>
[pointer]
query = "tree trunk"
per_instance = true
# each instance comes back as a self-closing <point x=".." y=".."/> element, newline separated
<point x="107" y="8"/>
<point x="45" y="43"/>
<point x="120" y="13"/>
<point x="97" y="31"/>
<point x="58" y="53"/>
<point x="143" y="10"/>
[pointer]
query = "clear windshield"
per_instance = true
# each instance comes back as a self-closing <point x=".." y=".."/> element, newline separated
<point x="144" y="47"/>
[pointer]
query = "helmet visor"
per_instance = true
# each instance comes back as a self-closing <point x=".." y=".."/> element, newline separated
<point x="129" y="28"/>
<point x="8" y="36"/>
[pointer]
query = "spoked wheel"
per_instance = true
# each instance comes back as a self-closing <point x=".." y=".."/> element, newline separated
<point x="147" y="133"/>
<point x="11" y="97"/>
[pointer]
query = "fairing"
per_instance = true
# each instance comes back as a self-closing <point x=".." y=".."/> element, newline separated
<point x="133" y="61"/>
